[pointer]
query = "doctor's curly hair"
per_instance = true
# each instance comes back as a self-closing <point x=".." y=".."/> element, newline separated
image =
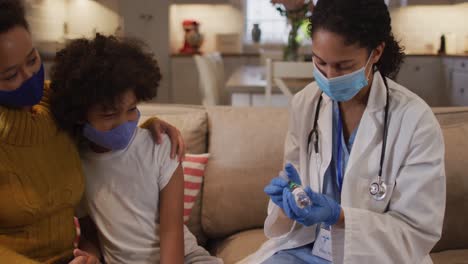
<point x="98" y="72"/>
<point x="366" y="22"/>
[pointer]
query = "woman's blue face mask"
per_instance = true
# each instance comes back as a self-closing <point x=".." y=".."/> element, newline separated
<point x="345" y="87"/>
<point x="28" y="94"/>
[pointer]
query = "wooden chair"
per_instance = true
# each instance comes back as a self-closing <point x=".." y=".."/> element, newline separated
<point x="211" y="75"/>
<point x="278" y="71"/>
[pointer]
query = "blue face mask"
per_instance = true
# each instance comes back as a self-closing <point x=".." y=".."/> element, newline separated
<point x="115" y="139"/>
<point x="342" y="88"/>
<point x="28" y="94"/>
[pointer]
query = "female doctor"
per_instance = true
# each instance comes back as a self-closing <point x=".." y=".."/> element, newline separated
<point x="369" y="153"/>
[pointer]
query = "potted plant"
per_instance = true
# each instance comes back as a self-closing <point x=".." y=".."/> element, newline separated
<point x="297" y="12"/>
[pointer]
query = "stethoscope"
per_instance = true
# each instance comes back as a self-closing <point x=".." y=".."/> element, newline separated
<point x="378" y="188"/>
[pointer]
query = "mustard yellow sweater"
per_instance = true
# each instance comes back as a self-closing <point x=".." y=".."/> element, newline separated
<point x="41" y="183"/>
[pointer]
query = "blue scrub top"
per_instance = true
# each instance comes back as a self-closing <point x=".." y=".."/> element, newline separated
<point x="340" y="156"/>
<point x="333" y="180"/>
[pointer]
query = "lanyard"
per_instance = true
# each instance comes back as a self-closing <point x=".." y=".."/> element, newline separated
<point x="339" y="165"/>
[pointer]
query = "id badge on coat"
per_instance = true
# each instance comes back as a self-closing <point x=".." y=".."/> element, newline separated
<point x="323" y="245"/>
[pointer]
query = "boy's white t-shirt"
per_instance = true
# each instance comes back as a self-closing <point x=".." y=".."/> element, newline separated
<point x="122" y="197"/>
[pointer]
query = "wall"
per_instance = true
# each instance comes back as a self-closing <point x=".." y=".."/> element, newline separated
<point x="46" y="19"/>
<point x="418" y="26"/>
<point x="213" y="19"/>
<point x="83" y="17"/>
<point x="86" y="17"/>
<point x="147" y="20"/>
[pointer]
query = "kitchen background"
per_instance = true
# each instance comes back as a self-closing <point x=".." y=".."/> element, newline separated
<point x="419" y="24"/>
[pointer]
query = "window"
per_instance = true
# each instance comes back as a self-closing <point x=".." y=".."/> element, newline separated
<point x="273" y="26"/>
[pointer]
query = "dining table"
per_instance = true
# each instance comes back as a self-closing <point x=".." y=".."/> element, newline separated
<point x="252" y="79"/>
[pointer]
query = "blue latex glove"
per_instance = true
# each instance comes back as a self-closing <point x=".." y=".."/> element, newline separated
<point x="292" y="174"/>
<point x="276" y="186"/>
<point x="323" y="209"/>
<point x="275" y="190"/>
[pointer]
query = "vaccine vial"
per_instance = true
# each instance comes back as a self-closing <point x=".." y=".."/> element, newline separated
<point x="300" y="196"/>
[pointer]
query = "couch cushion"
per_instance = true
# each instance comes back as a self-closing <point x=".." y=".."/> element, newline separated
<point x="451" y="257"/>
<point x="239" y="246"/>
<point x="448" y="116"/>
<point x="190" y="120"/>
<point x="194" y="169"/>
<point x="454" y="123"/>
<point x="246" y="148"/>
<point x="192" y="123"/>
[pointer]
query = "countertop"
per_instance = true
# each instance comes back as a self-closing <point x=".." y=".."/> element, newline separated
<point x="49" y="56"/>
<point x="253" y="54"/>
<point x="460" y="55"/>
<point x="246" y="54"/>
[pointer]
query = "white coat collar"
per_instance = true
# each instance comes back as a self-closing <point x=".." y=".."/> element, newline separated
<point x="377" y="96"/>
<point x="370" y="128"/>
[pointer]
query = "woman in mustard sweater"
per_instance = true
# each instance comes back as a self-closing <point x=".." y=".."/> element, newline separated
<point x="41" y="178"/>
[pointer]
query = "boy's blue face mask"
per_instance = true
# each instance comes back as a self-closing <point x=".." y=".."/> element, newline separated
<point x="342" y="88"/>
<point x="115" y="139"/>
<point x="28" y="94"/>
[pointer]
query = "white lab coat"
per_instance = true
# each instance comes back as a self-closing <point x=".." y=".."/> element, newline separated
<point x="404" y="226"/>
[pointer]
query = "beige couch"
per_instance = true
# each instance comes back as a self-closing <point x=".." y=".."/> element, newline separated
<point x="246" y="146"/>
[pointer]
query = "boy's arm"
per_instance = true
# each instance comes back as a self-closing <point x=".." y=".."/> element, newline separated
<point x="171" y="209"/>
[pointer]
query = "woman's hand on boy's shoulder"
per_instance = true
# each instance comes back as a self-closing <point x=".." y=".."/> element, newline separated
<point x="159" y="127"/>
<point x="83" y="257"/>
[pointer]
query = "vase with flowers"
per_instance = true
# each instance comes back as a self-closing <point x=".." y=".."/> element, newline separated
<point x="297" y="13"/>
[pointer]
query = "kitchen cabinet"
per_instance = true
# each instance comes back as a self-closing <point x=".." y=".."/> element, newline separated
<point x="460" y="64"/>
<point x="456" y="70"/>
<point x="399" y="3"/>
<point x="459" y="89"/>
<point x="427" y="2"/>
<point x="214" y="2"/>
<point x="185" y="86"/>
<point x="424" y="76"/>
